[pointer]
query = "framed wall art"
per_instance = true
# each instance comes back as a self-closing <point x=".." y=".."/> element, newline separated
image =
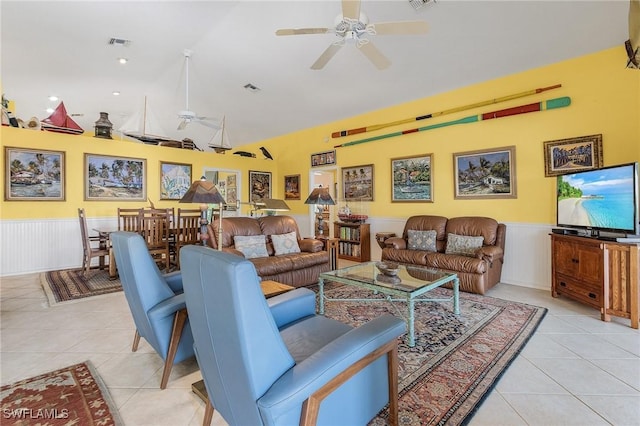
<point x="259" y="185"/>
<point x="357" y="183"/>
<point x="175" y="180"/>
<point x="34" y="175"/>
<point x="572" y="155"/>
<point x="485" y="174"/>
<point x="323" y="158"/>
<point x="292" y="187"/>
<point x="109" y="178"/>
<point x="412" y="179"/>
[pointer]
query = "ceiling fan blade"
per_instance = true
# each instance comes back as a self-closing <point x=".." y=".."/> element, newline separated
<point x="209" y="124"/>
<point x="326" y="56"/>
<point x="299" y="31"/>
<point x="402" y="27"/>
<point x="351" y="9"/>
<point x="375" y="56"/>
<point x="182" y="124"/>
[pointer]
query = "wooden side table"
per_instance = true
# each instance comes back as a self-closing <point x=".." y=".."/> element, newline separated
<point x="331" y="245"/>
<point x="381" y="237"/>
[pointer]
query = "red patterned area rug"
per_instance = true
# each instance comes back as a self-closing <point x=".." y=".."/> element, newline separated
<point x="71" y="285"/>
<point x="457" y="359"/>
<point x="73" y="395"/>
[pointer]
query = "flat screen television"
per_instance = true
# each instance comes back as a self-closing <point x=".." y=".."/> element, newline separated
<point x="597" y="200"/>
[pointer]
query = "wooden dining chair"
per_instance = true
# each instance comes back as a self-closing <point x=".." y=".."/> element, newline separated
<point x="155" y="231"/>
<point x="89" y="252"/>
<point x="129" y="220"/>
<point x="187" y="230"/>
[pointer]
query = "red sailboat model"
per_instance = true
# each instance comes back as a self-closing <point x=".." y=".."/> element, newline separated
<point x="60" y="122"/>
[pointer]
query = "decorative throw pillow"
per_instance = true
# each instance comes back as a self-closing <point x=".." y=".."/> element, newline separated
<point x="285" y="243"/>
<point x="251" y="246"/>
<point x="463" y="245"/>
<point x="422" y="240"/>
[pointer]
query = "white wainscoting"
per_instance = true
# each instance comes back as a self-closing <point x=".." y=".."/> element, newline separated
<point x="28" y="246"/>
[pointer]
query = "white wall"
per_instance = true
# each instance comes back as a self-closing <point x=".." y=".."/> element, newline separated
<point x="28" y="246"/>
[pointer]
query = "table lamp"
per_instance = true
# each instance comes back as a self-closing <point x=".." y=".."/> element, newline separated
<point x="205" y="192"/>
<point x="320" y="196"/>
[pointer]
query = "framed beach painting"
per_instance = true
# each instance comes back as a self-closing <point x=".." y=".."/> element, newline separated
<point x="482" y="174"/>
<point x="357" y="183"/>
<point x="412" y="179"/>
<point x="259" y="185"/>
<point x="292" y="187"/>
<point x="175" y="180"/>
<point x="572" y="155"/>
<point x="34" y="175"/>
<point x="109" y="178"/>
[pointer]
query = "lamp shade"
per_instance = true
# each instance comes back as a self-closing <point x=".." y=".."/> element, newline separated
<point x="320" y="196"/>
<point x="202" y="191"/>
<point x="274" y="205"/>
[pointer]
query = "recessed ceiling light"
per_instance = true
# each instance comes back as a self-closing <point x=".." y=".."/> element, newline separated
<point x="49" y="110"/>
<point x="116" y="93"/>
<point x="123" y="60"/>
<point x="53" y="98"/>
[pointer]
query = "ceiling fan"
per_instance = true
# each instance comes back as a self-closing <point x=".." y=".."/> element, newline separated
<point x="353" y="26"/>
<point x="187" y="116"/>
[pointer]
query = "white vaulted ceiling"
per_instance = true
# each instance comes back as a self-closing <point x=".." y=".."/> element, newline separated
<point x="61" y="48"/>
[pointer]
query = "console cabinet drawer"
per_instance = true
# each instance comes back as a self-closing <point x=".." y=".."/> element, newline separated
<point x="579" y="290"/>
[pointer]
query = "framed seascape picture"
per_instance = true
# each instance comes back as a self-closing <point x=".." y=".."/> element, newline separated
<point x="109" y="178"/>
<point x="357" y="183"/>
<point x="259" y="185"/>
<point x="175" y="180"/>
<point x="323" y="158"/>
<point x="34" y="175"/>
<point x="412" y="179"/>
<point x="485" y="173"/>
<point x="292" y="187"/>
<point x="572" y="155"/>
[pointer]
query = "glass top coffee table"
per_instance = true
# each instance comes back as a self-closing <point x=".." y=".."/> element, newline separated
<point x="408" y="285"/>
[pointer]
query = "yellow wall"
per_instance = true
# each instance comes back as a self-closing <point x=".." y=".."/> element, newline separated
<point x="605" y="99"/>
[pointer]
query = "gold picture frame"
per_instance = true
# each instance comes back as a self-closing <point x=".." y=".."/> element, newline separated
<point x="34" y="174"/>
<point x="486" y="173"/>
<point x="572" y="155"/>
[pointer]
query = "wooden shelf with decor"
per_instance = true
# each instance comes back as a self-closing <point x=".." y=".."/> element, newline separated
<point x="601" y="274"/>
<point x="353" y="241"/>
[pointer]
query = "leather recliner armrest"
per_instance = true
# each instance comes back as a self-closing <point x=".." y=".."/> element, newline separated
<point x="292" y="306"/>
<point x="396" y="243"/>
<point x="310" y="245"/>
<point x="490" y="253"/>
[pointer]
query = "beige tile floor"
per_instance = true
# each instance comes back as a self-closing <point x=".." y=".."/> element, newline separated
<point x="575" y="370"/>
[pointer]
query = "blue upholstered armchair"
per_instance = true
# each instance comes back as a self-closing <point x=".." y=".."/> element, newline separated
<point x="156" y="301"/>
<point x="277" y="363"/>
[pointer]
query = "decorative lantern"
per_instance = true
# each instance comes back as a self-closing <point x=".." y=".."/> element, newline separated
<point x="103" y="126"/>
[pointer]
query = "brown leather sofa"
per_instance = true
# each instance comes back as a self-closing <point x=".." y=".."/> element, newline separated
<point x="296" y="269"/>
<point x="478" y="271"/>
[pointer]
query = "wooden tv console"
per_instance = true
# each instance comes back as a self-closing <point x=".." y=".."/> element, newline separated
<point x="602" y="274"/>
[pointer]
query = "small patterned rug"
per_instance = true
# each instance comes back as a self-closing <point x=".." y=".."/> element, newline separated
<point x="457" y="359"/>
<point x="73" y="395"/>
<point x="71" y="285"/>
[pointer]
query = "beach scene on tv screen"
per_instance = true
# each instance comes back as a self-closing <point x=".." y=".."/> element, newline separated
<point x="599" y="198"/>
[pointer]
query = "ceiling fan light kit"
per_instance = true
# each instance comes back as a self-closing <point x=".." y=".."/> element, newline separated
<point x="353" y="25"/>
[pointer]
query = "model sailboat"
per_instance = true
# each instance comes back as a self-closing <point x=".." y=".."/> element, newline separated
<point x="220" y="141"/>
<point x="60" y="122"/>
<point x="145" y="127"/>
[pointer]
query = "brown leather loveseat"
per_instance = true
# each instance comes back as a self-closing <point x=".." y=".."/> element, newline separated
<point x="477" y="261"/>
<point x="296" y="269"/>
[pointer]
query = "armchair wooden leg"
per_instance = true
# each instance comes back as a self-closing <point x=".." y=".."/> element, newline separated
<point x="178" y="325"/>
<point x="392" y="370"/>
<point x="136" y="341"/>
<point x="311" y="407"/>
<point x="208" y="414"/>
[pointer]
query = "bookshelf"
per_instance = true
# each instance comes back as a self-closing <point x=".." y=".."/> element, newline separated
<point x="353" y="241"/>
